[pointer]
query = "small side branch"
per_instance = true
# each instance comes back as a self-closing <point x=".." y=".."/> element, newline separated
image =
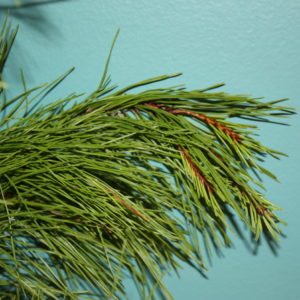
<point x="210" y="121"/>
<point x="195" y="169"/>
<point x="125" y="204"/>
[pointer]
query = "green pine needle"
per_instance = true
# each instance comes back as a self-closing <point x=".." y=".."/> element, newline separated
<point x="124" y="183"/>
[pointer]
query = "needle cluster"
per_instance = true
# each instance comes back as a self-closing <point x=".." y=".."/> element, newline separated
<point x="124" y="183"/>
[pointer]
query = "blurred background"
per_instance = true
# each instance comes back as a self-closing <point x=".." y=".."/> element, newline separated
<point x="252" y="46"/>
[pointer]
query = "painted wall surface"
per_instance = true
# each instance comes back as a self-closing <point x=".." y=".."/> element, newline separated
<point x="253" y="46"/>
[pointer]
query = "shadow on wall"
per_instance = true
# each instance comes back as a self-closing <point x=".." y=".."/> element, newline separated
<point x="33" y="15"/>
<point x="30" y="13"/>
<point x="251" y="244"/>
<point x="24" y="3"/>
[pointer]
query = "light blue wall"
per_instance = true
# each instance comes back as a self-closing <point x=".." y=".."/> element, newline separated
<point x="253" y="46"/>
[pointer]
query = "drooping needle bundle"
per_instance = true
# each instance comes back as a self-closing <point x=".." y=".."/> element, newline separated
<point x="123" y="183"/>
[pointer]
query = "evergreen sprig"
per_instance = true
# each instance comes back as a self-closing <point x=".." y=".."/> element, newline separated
<point x="123" y="183"/>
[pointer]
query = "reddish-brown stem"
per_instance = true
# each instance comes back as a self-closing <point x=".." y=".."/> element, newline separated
<point x="262" y="211"/>
<point x="217" y="155"/>
<point x="154" y="105"/>
<point x="202" y="117"/>
<point x="126" y="204"/>
<point x="195" y="168"/>
<point x="54" y="213"/>
<point x="117" y="198"/>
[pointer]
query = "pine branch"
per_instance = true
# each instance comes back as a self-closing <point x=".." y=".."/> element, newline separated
<point x="93" y="192"/>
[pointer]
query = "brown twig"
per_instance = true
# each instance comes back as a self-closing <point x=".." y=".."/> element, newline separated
<point x="262" y="211"/>
<point x="199" y="116"/>
<point x="195" y="168"/>
<point x="126" y="204"/>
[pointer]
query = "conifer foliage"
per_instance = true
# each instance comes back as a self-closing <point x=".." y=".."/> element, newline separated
<point x="116" y="183"/>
